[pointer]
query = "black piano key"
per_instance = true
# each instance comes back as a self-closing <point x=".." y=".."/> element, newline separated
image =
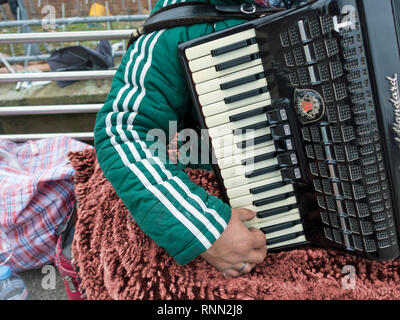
<point x="280" y="226"/>
<point x="276" y="116"/>
<point x="248" y="114"/>
<point x="259" y="158"/>
<point x="280" y="131"/>
<point x="244" y="80"/>
<point x="284" y="238"/>
<point x="282" y="145"/>
<point x="235" y="62"/>
<point x="268" y="187"/>
<point x="254" y="141"/>
<point x="275" y="211"/>
<point x="291" y="174"/>
<point x="259" y="172"/>
<point x="279" y="197"/>
<point x="287" y="160"/>
<point x="245" y="95"/>
<point x="233" y="47"/>
<point x="254" y="126"/>
<point x="272" y="117"/>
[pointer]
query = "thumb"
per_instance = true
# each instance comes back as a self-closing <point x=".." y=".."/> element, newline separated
<point x="245" y="214"/>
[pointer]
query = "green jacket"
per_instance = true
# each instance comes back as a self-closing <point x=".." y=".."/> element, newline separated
<point x="149" y="90"/>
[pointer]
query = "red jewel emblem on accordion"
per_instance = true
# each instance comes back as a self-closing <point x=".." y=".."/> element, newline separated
<point x="309" y="105"/>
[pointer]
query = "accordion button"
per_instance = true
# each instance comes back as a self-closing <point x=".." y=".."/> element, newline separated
<point x="370" y="245"/>
<point x="328" y="233"/>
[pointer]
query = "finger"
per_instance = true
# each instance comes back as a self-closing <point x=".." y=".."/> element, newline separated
<point x="243" y="269"/>
<point x="257" y="256"/>
<point x="246" y="214"/>
<point x="258" y="238"/>
<point x="231" y="273"/>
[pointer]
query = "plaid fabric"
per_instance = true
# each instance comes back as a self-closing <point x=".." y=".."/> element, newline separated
<point x="269" y="3"/>
<point x="279" y="3"/>
<point x="36" y="194"/>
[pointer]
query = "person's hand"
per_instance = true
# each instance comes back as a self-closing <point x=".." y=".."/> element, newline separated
<point x="238" y="249"/>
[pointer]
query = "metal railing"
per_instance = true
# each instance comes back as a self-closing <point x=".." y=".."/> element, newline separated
<point x="85" y="136"/>
<point x="71" y="20"/>
<point x="53" y="76"/>
<point x="48" y="110"/>
<point x="55" y="109"/>
<point x="56" y="76"/>
<point x="130" y="11"/>
<point x="45" y="57"/>
<point x="8" y="38"/>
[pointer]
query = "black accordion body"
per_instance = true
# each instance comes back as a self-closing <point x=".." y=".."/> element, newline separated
<point x="302" y="109"/>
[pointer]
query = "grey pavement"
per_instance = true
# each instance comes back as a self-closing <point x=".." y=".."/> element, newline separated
<point x="33" y="280"/>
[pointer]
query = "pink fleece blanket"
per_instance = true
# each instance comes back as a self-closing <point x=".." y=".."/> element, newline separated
<point x="116" y="260"/>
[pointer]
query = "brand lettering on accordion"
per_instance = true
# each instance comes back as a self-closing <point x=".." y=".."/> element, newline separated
<point x="395" y="100"/>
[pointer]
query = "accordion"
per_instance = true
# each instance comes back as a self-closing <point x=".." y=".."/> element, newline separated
<point x="302" y="113"/>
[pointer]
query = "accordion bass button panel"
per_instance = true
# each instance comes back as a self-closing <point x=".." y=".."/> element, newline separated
<point x="291" y="111"/>
<point x="326" y="68"/>
<point x="250" y="135"/>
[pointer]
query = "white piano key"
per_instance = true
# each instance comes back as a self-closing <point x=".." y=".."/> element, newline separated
<point x="245" y="190"/>
<point x="247" y="200"/>
<point x="242" y="180"/>
<point x="215" y="84"/>
<point x="222" y="118"/>
<point x="231" y="139"/>
<point x="231" y="150"/>
<point x="236" y="160"/>
<point x="256" y="222"/>
<point x="211" y="73"/>
<point x="210" y="61"/>
<point x="229" y="128"/>
<point x="242" y="170"/>
<point x="205" y="48"/>
<point x="280" y="233"/>
<point x="299" y="239"/>
<point x="221" y="106"/>
<point x="220" y="95"/>
<point x="292" y="215"/>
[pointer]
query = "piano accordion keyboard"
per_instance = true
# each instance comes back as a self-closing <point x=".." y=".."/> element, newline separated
<point x="250" y="136"/>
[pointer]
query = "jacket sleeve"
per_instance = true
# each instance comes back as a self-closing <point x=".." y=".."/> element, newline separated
<point x="148" y="92"/>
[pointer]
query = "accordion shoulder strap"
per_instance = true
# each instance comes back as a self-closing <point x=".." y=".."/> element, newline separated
<point x="189" y="13"/>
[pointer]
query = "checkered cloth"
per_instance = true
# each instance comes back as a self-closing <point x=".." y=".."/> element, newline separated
<point x="269" y="3"/>
<point x="279" y="3"/>
<point x="36" y="195"/>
